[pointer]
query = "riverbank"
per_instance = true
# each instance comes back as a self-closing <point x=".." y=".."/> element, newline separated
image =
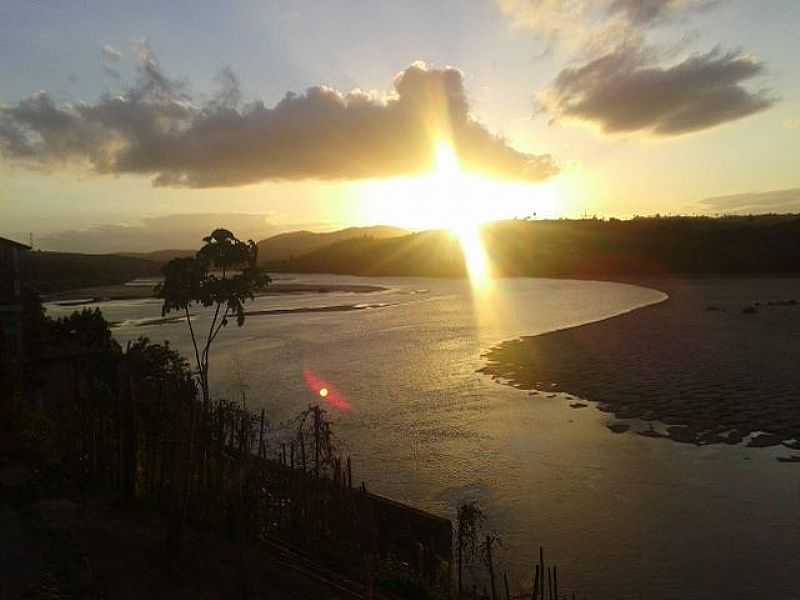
<point x="92" y="295"/>
<point x="715" y="363"/>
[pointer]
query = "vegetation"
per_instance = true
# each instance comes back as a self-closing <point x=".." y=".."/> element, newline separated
<point x="469" y="520"/>
<point x="161" y="257"/>
<point x="223" y="275"/>
<point x="299" y="243"/>
<point x="558" y="248"/>
<point x="49" y="272"/>
<point x="579" y="248"/>
<point x="127" y="424"/>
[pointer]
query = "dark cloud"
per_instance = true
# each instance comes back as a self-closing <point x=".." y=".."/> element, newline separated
<point x="648" y="12"/>
<point x="777" y="201"/>
<point x="184" y="231"/>
<point x="624" y="92"/>
<point x="156" y="129"/>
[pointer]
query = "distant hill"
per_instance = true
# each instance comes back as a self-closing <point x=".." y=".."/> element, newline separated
<point x="298" y="243"/>
<point x="49" y="272"/>
<point x="587" y="248"/>
<point x="430" y="253"/>
<point x="159" y="256"/>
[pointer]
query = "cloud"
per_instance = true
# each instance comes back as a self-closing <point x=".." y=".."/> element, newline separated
<point x="648" y="12"/>
<point x="778" y="201"/>
<point x="111" y="54"/>
<point x="111" y="72"/>
<point x="184" y="231"/>
<point x="577" y="24"/>
<point x="624" y="92"/>
<point x="156" y="128"/>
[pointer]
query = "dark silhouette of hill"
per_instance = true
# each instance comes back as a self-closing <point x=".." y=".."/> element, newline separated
<point x="159" y="256"/>
<point x="430" y="253"/>
<point x="49" y="272"/>
<point x="579" y="248"/>
<point x="286" y="246"/>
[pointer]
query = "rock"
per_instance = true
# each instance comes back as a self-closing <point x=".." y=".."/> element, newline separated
<point x="788" y="459"/>
<point x="651" y="433"/>
<point x="686" y="435"/>
<point x="629" y="411"/>
<point x="578" y="405"/>
<point x="764" y="440"/>
<point x="618" y="427"/>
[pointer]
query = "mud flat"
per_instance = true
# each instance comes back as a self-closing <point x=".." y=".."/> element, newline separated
<point x="717" y="362"/>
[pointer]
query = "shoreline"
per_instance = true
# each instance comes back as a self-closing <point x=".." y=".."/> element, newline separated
<point x="713" y="361"/>
<point x="105" y="293"/>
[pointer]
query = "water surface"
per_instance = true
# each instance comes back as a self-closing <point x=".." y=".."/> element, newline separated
<point x="624" y="516"/>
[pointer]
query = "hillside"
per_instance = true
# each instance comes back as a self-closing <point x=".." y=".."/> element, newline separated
<point x="298" y="243"/>
<point x="430" y="253"/>
<point x="159" y="256"/>
<point x="50" y="272"/>
<point x="579" y="248"/>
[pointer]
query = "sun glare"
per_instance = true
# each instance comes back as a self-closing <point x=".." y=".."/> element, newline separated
<point x="450" y="198"/>
<point x="460" y="201"/>
<point x="452" y="185"/>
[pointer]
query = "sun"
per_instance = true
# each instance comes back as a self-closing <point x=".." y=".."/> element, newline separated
<point x="450" y="197"/>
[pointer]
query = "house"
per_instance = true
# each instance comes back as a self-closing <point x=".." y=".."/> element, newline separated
<point x="11" y="279"/>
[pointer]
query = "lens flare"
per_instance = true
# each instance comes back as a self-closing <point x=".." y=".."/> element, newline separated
<point x="327" y="391"/>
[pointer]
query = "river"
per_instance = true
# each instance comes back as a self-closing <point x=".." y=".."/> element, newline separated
<point x="624" y="516"/>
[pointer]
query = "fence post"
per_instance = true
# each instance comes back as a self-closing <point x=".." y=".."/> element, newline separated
<point x="490" y="564"/>
<point x="261" y="436"/>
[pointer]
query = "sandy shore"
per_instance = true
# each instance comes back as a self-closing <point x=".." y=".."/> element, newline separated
<point x="92" y="295"/>
<point x="717" y="362"/>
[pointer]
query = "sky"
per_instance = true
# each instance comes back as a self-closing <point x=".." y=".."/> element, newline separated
<point x="131" y="126"/>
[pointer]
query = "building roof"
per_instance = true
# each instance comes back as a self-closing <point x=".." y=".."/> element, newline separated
<point x="7" y="242"/>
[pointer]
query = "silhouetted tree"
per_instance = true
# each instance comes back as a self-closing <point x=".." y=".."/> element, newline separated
<point x="469" y="523"/>
<point x="224" y="275"/>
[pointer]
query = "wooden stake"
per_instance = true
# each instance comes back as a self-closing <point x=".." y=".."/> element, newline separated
<point x="541" y="568"/>
<point x="490" y="564"/>
<point x="555" y="582"/>
<point x="261" y="435"/>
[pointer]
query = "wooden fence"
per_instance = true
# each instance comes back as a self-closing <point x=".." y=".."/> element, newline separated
<point x="152" y="442"/>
